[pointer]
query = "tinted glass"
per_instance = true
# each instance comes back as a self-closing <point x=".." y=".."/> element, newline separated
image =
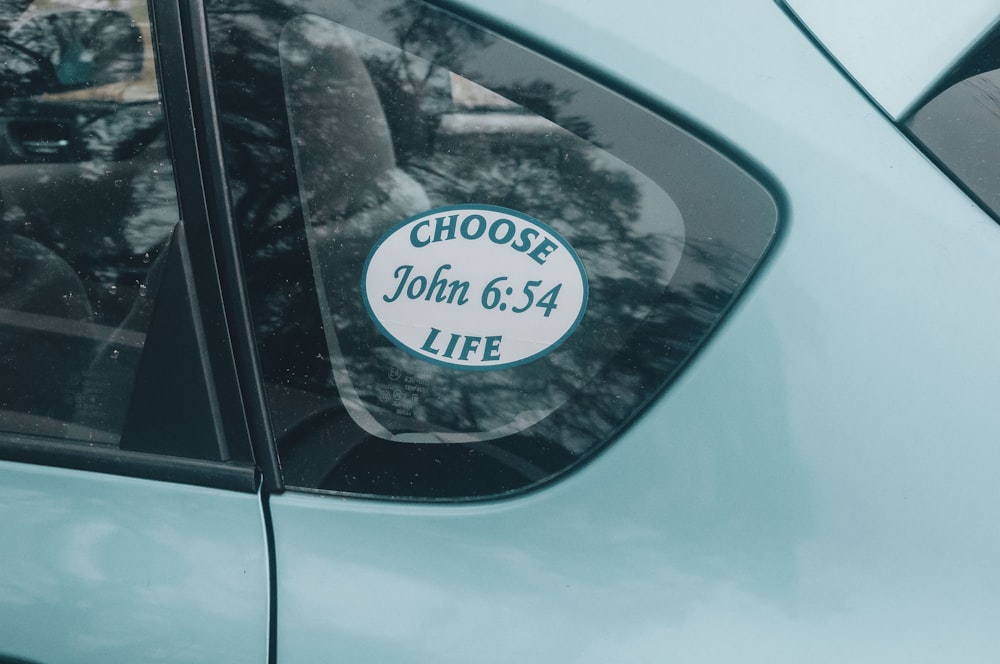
<point x="959" y="124"/>
<point x="491" y="278"/>
<point x="88" y="202"/>
<point x="469" y="267"/>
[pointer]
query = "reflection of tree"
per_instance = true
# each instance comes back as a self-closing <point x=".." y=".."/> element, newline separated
<point x="544" y="99"/>
<point x="413" y="92"/>
<point x="106" y="196"/>
<point x="553" y="177"/>
<point x="264" y="197"/>
<point x="88" y="197"/>
<point x="75" y="153"/>
<point x="636" y="329"/>
<point x="345" y="164"/>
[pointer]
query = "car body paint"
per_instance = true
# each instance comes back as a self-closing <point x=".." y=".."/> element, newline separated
<point x="820" y="484"/>
<point x="118" y="569"/>
<point x="896" y="50"/>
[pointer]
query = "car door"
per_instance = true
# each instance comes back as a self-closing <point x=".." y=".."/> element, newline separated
<point x="647" y="482"/>
<point x="132" y="529"/>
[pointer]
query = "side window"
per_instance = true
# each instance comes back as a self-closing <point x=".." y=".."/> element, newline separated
<point x="469" y="268"/>
<point x="88" y="204"/>
<point x="959" y="123"/>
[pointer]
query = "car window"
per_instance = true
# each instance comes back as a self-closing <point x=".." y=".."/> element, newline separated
<point x="88" y="205"/>
<point x="959" y="123"/>
<point x="469" y="268"/>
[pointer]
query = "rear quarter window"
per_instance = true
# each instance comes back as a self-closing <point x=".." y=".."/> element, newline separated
<point x="469" y="267"/>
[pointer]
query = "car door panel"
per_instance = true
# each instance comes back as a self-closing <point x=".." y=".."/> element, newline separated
<point x="99" y="568"/>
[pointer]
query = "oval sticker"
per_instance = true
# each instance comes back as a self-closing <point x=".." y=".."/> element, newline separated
<point x="474" y="287"/>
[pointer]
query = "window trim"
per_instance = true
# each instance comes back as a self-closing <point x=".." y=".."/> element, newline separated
<point x="186" y="83"/>
<point x="187" y="88"/>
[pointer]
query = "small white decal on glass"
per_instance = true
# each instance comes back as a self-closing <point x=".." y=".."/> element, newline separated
<point x="474" y="287"/>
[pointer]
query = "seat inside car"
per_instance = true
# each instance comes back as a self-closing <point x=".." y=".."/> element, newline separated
<point x="342" y="142"/>
<point x="45" y="340"/>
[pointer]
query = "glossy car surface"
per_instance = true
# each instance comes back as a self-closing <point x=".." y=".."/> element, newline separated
<point x="821" y="482"/>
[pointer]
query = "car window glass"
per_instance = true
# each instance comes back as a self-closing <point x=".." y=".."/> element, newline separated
<point x="428" y="385"/>
<point x="468" y="267"/>
<point x="88" y="205"/>
<point x="959" y="124"/>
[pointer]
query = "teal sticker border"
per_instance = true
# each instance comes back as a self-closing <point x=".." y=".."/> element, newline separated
<point x="493" y="208"/>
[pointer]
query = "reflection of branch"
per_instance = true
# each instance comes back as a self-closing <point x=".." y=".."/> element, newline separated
<point x="45" y="68"/>
<point x="420" y="27"/>
<point x="39" y="59"/>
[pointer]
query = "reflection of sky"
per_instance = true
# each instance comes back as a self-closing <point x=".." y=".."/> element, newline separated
<point x="153" y="221"/>
<point x="102" y="568"/>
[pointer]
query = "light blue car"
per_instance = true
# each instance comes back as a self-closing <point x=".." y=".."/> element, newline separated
<point x="455" y="331"/>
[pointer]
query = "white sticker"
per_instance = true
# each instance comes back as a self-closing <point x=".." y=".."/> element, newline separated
<point x="474" y="287"/>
